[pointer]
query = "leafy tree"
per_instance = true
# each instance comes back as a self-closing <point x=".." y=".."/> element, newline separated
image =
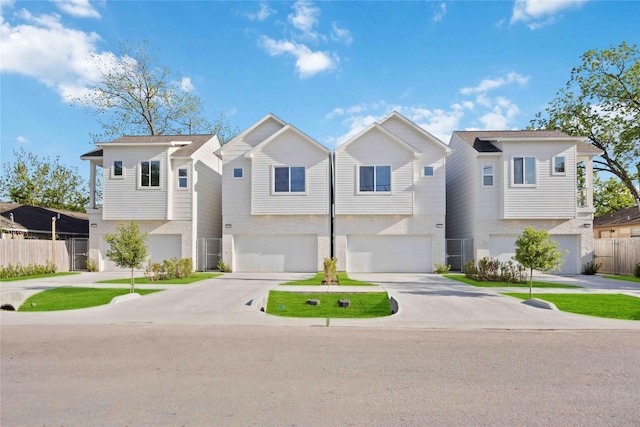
<point x="140" y="97"/>
<point x="127" y="247"/>
<point x="602" y="102"/>
<point x="536" y="251"/>
<point x="610" y="196"/>
<point x="33" y="181"/>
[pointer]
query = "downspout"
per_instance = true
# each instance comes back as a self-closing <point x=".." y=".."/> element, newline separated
<point x="331" y="203"/>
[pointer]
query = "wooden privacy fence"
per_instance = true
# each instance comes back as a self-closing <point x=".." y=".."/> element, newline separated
<point x="27" y="252"/>
<point x="617" y="256"/>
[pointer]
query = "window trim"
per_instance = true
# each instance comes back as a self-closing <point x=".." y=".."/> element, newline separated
<point x="288" y="192"/>
<point x="553" y="165"/>
<point x="187" y="177"/>
<point x="433" y="171"/>
<point x="241" y="173"/>
<point x="484" y="175"/>
<point x="524" y="171"/>
<point x="375" y="179"/>
<point x="149" y="187"/>
<point x="113" y="170"/>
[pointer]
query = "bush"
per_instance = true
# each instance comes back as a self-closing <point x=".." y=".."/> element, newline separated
<point x="590" y="268"/>
<point x="173" y="268"/>
<point x="330" y="271"/>
<point x="494" y="270"/>
<point x="441" y="269"/>
<point x="19" y="270"/>
<point x="224" y="268"/>
<point x="92" y="265"/>
<point x="153" y="271"/>
<point x="636" y="272"/>
<point x="185" y="267"/>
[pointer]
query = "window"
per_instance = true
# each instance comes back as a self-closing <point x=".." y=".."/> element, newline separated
<point x="117" y="171"/>
<point x="559" y="165"/>
<point x="487" y="175"/>
<point x="375" y="178"/>
<point x="150" y="174"/>
<point x="427" y="171"/>
<point x="183" y="178"/>
<point x="289" y="179"/>
<point x="524" y="171"/>
<point x="237" y="172"/>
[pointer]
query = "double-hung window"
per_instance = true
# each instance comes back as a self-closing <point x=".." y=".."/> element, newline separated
<point x="375" y="179"/>
<point x="150" y="174"/>
<point x="289" y="179"/>
<point x="524" y="171"/>
<point x="487" y="175"/>
<point x="183" y="178"/>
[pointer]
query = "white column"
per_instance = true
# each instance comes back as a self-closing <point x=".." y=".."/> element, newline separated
<point x="92" y="185"/>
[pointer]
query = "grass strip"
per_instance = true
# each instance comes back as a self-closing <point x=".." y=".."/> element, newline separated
<point x="626" y="278"/>
<point x="195" y="277"/>
<point x="464" y="279"/>
<point x="613" y="306"/>
<point x="70" y="298"/>
<point x="38" y="276"/>
<point x="363" y="305"/>
<point x="316" y="280"/>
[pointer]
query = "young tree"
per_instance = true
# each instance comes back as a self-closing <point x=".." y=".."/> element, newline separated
<point x="610" y="196"/>
<point x="127" y="247"/>
<point x="536" y="251"/>
<point x="602" y="102"/>
<point x="44" y="182"/>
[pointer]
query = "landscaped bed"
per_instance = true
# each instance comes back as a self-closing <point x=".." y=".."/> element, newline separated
<point x="38" y="276"/>
<point x="613" y="306"/>
<point x="69" y="298"/>
<point x="462" y="278"/>
<point x="195" y="277"/>
<point x="362" y="305"/>
<point x="316" y="280"/>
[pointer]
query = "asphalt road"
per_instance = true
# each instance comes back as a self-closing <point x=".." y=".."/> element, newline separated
<point x="202" y="375"/>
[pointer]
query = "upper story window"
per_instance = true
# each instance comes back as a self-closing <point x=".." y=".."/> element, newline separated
<point x="150" y="174"/>
<point x="375" y="179"/>
<point x="559" y="165"/>
<point x="487" y="175"/>
<point x="118" y="170"/>
<point x="289" y="179"/>
<point x="183" y="178"/>
<point x="524" y="171"/>
<point x="427" y="171"/>
<point x="237" y="172"/>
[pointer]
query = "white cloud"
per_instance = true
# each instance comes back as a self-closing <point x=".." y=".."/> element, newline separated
<point x="501" y="116"/>
<point x="77" y="8"/>
<point x="539" y="13"/>
<point x="22" y="139"/>
<point x="341" y="34"/>
<point x="263" y="13"/>
<point x="489" y="84"/>
<point x="305" y="19"/>
<point x="186" y="85"/>
<point x="308" y="62"/>
<point x="440" y="12"/>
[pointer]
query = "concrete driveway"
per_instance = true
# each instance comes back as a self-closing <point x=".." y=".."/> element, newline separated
<point x="425" y="301"/>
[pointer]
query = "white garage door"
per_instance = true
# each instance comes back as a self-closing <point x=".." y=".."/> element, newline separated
<point x="503" y="248"/>
<point x="389" y="254"/>
<point x="164" y="246"/>
<point x="297" y="253"/>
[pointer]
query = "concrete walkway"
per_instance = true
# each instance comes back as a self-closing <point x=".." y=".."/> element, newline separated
<point x="425" y="301"/>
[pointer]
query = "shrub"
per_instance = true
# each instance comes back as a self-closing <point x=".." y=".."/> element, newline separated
<point x="224" y="268"/>
<point x="92" y="265"/>
<point x="636" y="272"/>
<point x="173" y="268"/>
<point x="441" y="269"/>
<point x="185" y="267"/>
<point x="19" y="270"/>
<point x="153" y="271"/>
<point x="330" y="271"/>
<point x="470" y="270"/>
<point x="591" y="268"/>
<point x="494" y="270"/>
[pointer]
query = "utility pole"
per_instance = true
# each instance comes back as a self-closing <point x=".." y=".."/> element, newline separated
<point x="53" y="239"/>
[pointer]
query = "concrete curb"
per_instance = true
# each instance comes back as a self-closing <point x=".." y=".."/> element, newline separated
<point x="538" y="303"/>
<point x="123" y="298"/>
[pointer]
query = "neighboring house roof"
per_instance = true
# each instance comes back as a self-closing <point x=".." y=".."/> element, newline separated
<point x="97" y="153"/>
<point x="189" y="143"/>
<point x="37" y="219"/>
<point x="586" y="148"/>
<point x="287" y="128"/>
<point x="495" y="135"/>
<point x="395" y="114"/>
<point x="621" y="217"/>
<point x="384" y="131"/>
<point x="485" y="146"/>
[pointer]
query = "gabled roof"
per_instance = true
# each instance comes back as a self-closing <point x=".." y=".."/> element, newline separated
<point x="390" y="135"/>
<point x="623" y="216"/>
<point x="242" y="135"/>
<point x="37" y="219"/>
<point x="287" y="128"/>
<point x="188" y="144"/>
<point x="429" y="136"/>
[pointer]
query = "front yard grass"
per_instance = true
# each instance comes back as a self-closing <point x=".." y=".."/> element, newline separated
<point x="69" y="298"/>
<point x="316" y="280"/>
<point x="363" y="305"/>
<point x="614" y="306"/>
<point x="627" y="278"/>
<point x="195" y="277"/>
<point x="464" y="279"/>
<point x="38" y="276"/>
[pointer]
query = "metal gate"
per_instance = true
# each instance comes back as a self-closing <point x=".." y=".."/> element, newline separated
<point x="78" y="255"/>
<point x="459" y="251"/>
<point x="209" y="252"/>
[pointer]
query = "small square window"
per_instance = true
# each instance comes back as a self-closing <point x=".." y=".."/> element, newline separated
<point x="427" y="171"/>
<point x="237" y="172"/>
<point x="559" y="165"/>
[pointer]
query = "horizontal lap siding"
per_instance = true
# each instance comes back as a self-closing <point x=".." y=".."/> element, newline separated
<point x="462" y="184"/>
<point x="208" y="192"/>
<point x="181" y="198"/>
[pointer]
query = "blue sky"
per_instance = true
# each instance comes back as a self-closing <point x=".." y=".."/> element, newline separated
<point x="328" y="68"/>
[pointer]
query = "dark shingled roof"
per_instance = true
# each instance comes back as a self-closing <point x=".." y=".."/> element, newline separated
<point x="623" y="216"/>
<point x="34" y="218"/>
<point x="485" y="147"/>
<point x="471" y="135"/>
<point x="93" y="153"/>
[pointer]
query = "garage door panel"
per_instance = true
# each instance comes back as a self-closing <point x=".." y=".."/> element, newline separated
<point x="276" y="253"/>
<point x="503" y="248"/>
<point x="386" y="254"/>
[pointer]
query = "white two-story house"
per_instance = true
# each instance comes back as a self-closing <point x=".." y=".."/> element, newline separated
<point x="390" y="199"/>
<point x="275" y="201"/>
<point x="170" y="185"/>
<point x="499" y="182"/>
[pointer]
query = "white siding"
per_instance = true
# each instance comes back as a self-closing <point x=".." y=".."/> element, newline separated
<point x="181" y="199"/>
<point x="462" y="184"/>
<point x="374" y="149"/>
<point x="207" y="190"/>
<point x="489" y="199"/>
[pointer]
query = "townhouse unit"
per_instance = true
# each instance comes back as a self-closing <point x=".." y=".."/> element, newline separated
<point x="390" y="199"/>
<point x="170" y="185"/>
<point x="275" y="199"/>
<point x="499" y="182"/>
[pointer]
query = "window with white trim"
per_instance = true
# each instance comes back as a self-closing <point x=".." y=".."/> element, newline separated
<point x="150" y="174"/>
<point x="374" y="179"/>
<point x="118" y="170"/>
<point x="559" y="165"/>
<point x="427" y="171"/>
<point x="524" y="171"/>
<point x="183" y="178"/>
<point x="238" y="172"/>
<point x="289" y="179"/>
<point x="487" y="175"/>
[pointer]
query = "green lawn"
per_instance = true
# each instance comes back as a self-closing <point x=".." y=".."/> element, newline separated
<point x="613" y="306"/>
<point x="462" y="278"/>
<point x="38" y="276"/>
<point x="69" y="298"/>
<point x="195" y="277"/>
<point x="316" y="280"/>
<point x="627" y="278"/>
<point x="363" y="305"/>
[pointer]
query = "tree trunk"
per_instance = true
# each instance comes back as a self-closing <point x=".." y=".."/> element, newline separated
<point x="530" y="281"/>
<point x="132" y="281"/>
